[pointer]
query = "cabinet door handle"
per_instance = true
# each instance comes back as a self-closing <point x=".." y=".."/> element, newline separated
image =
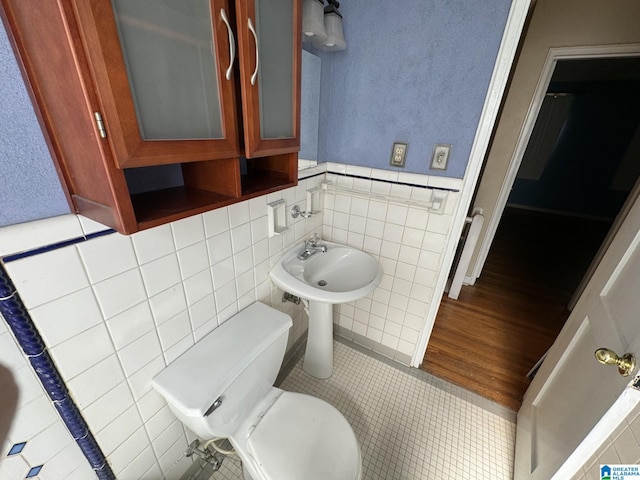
<point x="255" y="37"/>
<point x="232" y="44"/>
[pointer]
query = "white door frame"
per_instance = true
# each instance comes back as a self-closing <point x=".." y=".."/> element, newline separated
<point x="504" y="60"/>
<point x="554" y="54"/>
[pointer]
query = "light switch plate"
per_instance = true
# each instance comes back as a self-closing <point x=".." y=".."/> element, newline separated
<point x="440" y="156"/>
<point x="398" y="155"/>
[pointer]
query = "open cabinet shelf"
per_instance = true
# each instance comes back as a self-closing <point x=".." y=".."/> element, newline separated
<point x="268" y="174"/>
<point x="167" y="205"/>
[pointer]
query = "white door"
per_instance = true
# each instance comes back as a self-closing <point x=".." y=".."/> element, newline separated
<point x="572" y="392"/>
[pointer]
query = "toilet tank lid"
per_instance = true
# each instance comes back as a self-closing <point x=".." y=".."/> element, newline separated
<point x="200" y="375"/>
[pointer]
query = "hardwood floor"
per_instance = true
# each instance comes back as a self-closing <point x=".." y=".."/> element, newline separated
<point x="489" y="339"/>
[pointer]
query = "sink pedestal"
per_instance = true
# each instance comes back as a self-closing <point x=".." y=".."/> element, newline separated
<point x="325" y="277"/>
<point x="318" y="358"/>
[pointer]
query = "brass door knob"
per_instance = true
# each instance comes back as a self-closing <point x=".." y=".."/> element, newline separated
<point x="625" y="363"/>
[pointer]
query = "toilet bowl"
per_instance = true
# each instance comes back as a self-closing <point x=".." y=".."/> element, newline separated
<point x="223" y="387"/>
<point x="299" y="437"/>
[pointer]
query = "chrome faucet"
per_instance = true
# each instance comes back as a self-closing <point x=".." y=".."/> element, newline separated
<point x="311" y="247"/>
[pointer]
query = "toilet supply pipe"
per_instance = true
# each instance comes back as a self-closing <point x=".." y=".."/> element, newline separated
<point x="204" y="453"/>
<point x="218" y="448"/>
<point x="215" y="458"/>
<point x="21" y="324"/>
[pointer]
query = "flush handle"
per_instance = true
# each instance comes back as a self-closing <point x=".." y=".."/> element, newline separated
<point x="214" y="406"/>
<point x="626" y="363"/>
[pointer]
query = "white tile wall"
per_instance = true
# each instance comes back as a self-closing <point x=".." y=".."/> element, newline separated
<point x="43" y="278"/>
<point x="114" y="310"/>
<point x="407" y="239"/>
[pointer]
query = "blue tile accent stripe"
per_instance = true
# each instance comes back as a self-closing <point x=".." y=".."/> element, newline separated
<point x="16" y="448"/>
<point x="55" y="246"/>
<point x="34" y="471"/>
<point x="22" y="326"/>
<point x="302" y="177"/>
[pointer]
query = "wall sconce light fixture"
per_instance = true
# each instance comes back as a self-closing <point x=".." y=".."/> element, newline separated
<point x="313" y="21"/>
<point x="334" y="40"/>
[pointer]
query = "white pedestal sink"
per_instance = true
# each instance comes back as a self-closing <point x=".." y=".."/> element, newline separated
<point x="339" y="275"/>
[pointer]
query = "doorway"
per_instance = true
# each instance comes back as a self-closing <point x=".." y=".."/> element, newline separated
<point x="581" y="162"/>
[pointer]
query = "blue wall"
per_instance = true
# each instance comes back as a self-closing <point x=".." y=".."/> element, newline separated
<point x="29" y="185"/>
<point x="414" y="71"/>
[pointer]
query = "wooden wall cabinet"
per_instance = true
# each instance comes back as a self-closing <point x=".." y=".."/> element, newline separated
<point x="199" y="100"/>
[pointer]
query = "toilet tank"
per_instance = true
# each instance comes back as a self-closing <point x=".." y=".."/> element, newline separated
<point x="237" y="363"/>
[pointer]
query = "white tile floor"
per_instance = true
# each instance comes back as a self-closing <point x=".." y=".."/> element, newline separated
<point x="410" y="425"/>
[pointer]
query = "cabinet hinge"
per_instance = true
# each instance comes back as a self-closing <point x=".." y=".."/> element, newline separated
<point x="100" y="124"/>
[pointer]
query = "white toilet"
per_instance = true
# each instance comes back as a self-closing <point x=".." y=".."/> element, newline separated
<point x="223" y="387"/>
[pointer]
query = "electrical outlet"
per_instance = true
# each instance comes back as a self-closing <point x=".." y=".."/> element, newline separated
<point x="440" y="156"/>
<point x="398" y="155"/>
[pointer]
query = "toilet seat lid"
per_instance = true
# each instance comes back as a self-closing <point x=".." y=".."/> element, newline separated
<point x="303" y="437"/>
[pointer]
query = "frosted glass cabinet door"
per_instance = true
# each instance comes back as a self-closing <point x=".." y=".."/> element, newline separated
<point x="162" y="68"/>
<point x="270" y="55"/>
<point x="167" y="48"/>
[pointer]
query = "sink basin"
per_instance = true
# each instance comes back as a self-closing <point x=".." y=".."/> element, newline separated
<point x="339" y="275"/>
